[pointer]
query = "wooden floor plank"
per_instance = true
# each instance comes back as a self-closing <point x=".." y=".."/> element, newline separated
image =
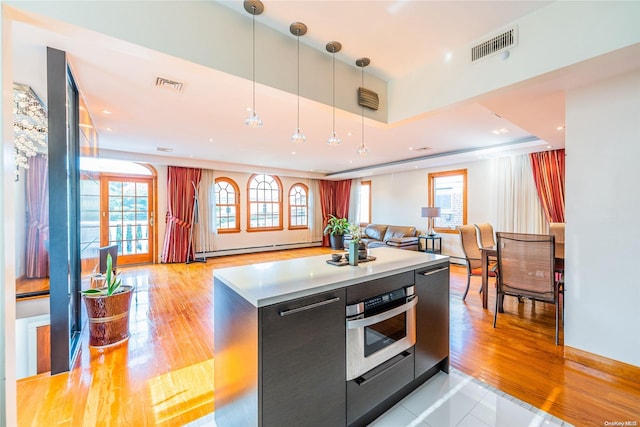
<point x="163" y="375"/>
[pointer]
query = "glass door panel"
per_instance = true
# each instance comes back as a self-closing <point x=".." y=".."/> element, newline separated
<point x="126" y="218"/>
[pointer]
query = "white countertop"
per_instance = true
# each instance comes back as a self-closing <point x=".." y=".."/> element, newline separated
<point x="273" y="282"/>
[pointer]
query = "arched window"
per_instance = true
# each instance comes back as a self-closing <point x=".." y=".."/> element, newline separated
<point x="265" y="203"/>
<point x="227" y="206"/>
<point x="298" y="206"/>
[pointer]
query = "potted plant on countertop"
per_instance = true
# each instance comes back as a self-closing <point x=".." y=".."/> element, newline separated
<point x="108" y="309"/>
<point x="336" y="229"/>
<point x="357" y="248"/>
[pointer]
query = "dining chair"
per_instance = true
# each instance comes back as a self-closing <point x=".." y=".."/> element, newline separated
<point x="485" y="231"/>
<point x="527" y="269"/>
<point x="472" y="255"/>
<point x="556" y="229"/>
<point x="103" y="252"/>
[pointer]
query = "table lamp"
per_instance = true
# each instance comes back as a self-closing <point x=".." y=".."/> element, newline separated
<point x="430" y="212"/>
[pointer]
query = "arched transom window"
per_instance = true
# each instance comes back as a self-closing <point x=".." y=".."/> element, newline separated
<point x="265" y="203"/>
<point x="298" y="206"/>
<point x="227" y="205"/>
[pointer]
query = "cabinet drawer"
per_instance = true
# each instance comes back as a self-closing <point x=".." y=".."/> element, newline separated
<point x="365" y="393"/>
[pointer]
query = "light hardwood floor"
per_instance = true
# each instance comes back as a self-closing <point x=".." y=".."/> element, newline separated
<point x="163" y="375"/>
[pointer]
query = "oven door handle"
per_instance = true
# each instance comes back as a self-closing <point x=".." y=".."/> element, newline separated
<point x="368" y="321"/>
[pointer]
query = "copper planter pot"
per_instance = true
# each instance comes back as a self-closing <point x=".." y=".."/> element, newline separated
<point x="108" y="317"/>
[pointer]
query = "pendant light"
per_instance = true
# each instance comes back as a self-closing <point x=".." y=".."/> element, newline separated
<point x="334" y="47"/>
<point x="362" y="62"/>
<point x="298" y="29"/>
<point x="254" y="7"/>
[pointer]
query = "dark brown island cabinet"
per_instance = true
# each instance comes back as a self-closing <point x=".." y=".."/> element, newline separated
<point x="290" y="355"/>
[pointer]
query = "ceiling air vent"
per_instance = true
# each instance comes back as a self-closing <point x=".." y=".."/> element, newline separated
<point x="162" y="82"/>
<point x="367" y="98"/>
<point x="495" y="44"/>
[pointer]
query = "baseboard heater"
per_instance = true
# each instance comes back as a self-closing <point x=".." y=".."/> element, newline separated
<point x="253" y="249"/>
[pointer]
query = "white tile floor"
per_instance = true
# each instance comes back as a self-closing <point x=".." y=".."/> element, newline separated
<point x="455" y="400"/>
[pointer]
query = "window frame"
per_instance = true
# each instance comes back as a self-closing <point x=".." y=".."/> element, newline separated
<point x="305" y="206"/>
<point x="233" y="184"/>
<point x="431" y="185"/>
<point x="278" y="227"/>
<point x="365" y="184"/>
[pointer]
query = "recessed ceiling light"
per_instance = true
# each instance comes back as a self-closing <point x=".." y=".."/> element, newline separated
<point x="164" y="149"/>
<point x="293" y="152"/>
<point x="107" y="112"/>
<point x="500" y="131"/>
<point x="561" y="127"/>
<point x="109" y="129"/>
<point x="210" y="139"/>
<point x="548" y="146"/>
<point x="448" y="56"/>
<point x="348" y="133"/>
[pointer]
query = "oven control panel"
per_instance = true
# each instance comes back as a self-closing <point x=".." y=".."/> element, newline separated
<point x="384" y="299"/>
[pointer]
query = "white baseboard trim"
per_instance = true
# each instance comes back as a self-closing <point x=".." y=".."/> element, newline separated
<point x="254" y="249"/>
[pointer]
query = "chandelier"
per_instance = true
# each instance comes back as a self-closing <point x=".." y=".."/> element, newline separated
<point x="29" y="125"/>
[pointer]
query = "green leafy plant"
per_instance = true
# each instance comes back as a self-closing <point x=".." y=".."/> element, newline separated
<point x="112" y="283"/>
<point x="336" y="226"/>
<point x="354" y="231"/>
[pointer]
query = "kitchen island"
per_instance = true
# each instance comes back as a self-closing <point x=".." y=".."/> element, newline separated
<point x="282" y="338"/>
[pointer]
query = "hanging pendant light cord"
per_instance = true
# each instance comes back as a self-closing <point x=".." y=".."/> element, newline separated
<point x="362" y="108"/>
<point x="334" y="89"/>
<point x="254" y="59"/>
<point x="298" y="31"/>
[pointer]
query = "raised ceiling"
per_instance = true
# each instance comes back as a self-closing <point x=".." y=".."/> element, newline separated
<point x="203" y="123"/>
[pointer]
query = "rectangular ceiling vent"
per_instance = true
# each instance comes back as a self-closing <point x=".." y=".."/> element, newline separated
<point x="367" y="98"/>
<point x="162" y="82"/>
<point x="495" y="44"/>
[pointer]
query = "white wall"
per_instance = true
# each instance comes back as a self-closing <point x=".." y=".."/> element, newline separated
<point x="397" y="199"/>
<point x="8" y="411"/>
<point x="603" y="231"/>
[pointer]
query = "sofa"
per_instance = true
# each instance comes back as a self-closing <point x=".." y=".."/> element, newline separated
<point x="393" y="236"/>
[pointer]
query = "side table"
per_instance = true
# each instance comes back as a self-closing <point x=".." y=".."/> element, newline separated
<point x="431" y="248"/>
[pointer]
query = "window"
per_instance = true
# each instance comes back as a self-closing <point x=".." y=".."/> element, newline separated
<point x="448" y="191"/>
<point x="227" y="206"/>
<point x="364" y="216"/>
<point x="298" y="207"/>
<point x="265" y="203"/>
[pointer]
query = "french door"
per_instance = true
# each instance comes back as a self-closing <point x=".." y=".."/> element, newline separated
<point x="127" y="217"/>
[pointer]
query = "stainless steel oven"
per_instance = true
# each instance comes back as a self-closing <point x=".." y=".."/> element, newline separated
<point x="380" y="328"/>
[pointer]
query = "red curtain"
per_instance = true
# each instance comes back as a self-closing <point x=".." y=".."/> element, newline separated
<point x="180" y="202"/>
<point x="37" y="192"/>
<point x="548" y="174"/>
<point x="334" y="200"/>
